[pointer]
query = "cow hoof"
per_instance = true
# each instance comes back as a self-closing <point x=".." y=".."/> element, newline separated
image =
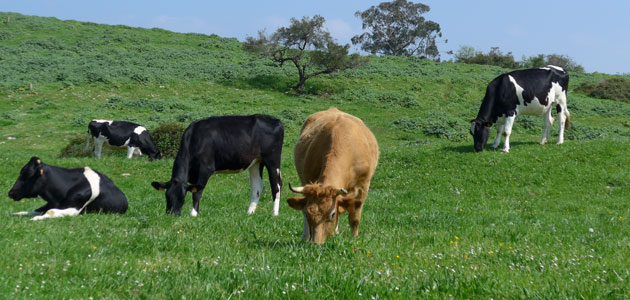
<point x="560" y="143"/>
<point x="193" y="213"/>
<point x="543" y="142"/>
<point x="505" y="151"/>
<point x="251" y="211"/>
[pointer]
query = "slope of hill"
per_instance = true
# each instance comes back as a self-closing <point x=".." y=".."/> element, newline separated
<point x="440" y="221"/>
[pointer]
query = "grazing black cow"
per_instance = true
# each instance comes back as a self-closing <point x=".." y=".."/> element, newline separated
<point x="227" y="144"/>
<point x="122" y="134"/>
<point x="68" y="192"/>
<point x="529" y="92"/>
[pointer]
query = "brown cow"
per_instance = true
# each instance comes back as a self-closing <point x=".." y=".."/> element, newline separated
<point x="335" y="159"/>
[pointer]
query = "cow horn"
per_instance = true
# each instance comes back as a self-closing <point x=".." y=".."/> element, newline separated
<point x="298" y="189"/>
<point x="342" y="191"/>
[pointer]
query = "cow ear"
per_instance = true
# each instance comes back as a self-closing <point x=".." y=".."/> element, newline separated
<point x="193" y="188"/>
<point x="297" y="203"/>
<point x="160" y="186"/>
<point x="350" y="204"/>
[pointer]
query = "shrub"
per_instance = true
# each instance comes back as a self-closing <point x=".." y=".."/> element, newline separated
<point x="407" y="123"/>
<point x="167" y="138"/>
<point x="494" y="57"/>
<point x="391" y="98"/>
<point x="77" y="147"/>
<point x="617" y="88"/>
<point x="441" y="125"/>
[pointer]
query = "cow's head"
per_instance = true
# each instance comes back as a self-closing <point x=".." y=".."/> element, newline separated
<point x="148" y="147"/>
<point x="175" y="194"/>
<point x="480" y="131"/>
<point x="321" y="206"/>
<point x="30" y="182"/>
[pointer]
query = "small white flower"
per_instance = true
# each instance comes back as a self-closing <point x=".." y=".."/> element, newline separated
<point x="591" y="230"/>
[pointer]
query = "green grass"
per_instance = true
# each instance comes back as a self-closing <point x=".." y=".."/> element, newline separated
<point x="542" y="222"/>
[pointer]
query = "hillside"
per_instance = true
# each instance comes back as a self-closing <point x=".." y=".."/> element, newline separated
<point x="540" y="222"/>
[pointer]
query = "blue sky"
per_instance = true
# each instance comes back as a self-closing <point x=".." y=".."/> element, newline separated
<point x="596" y="34"/>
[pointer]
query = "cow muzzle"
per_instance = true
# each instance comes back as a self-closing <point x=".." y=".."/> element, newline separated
<point x="13" y="194"/>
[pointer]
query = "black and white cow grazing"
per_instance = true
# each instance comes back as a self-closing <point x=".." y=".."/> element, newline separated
<point x="226" y="144"/>
<point x="529" y="92"/>
<point x="122" y="134"/>
<point x="68" y="192"/>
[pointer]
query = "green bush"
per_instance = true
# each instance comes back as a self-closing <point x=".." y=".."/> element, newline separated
<point x="407" y="124"/>
<point x="167" y="138"/>
<point x="77" y="147"/>
<point x="617" y="88"/>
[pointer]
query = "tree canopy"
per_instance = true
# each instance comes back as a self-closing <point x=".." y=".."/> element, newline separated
<point x="398" y="28"/>
<point x="308" y="46"/>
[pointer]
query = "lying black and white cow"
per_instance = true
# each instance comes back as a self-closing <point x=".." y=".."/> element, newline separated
<point x="67" y="192"/>
<point x="122" y="134"/>
<point x="529" y="92"/>
<point x="226" y="144"/>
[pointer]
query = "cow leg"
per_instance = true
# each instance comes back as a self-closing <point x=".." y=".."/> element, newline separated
<point x="256" y="182"/>
<point x="354" y="213"/>
<point x="275" y="181"/>
<point x="563" y="115"/>
<point x="130" y="151"/>
<point x="548" y="123"/>
<point x="509" y="122"/>
<point x="57" y="213"/>
<point x="35" y="212"/>
<point x="354" y="218"/>
<point x="202" y="179"/>
<point x="306" y="234"/>
<point x="500" y="127"/>
<point x="98" y="146"/>
<point x="196" y="196"/>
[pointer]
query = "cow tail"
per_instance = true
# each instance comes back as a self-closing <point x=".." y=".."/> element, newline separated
<point x="87" y="140"/>
<point x="567" y="122"/>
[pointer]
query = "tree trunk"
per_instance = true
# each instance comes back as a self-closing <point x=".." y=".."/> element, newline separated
<point x="300" y="84"/>
<point x="302" y="74"/>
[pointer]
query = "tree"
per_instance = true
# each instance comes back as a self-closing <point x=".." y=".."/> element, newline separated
<point x="398" y="28"/>
<point x="559" y="60"/>
<point x="534" y="61"/>
<point x="308" y="46"/>
<point x="495" y="57"/>
<point x="466" y="53"/>
<point x="564" y="62"/>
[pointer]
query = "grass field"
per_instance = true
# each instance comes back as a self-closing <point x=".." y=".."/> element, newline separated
<point x="542" y="222"/>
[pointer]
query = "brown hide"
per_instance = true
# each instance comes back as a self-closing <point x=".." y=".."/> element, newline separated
<point x="336" y="150"/>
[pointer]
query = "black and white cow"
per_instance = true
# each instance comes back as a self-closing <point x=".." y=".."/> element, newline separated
<point x="226" y="144"/>
<point x="67" y="192"/>
<point x="528" y="92"/>
<point x="122" y="134"/>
